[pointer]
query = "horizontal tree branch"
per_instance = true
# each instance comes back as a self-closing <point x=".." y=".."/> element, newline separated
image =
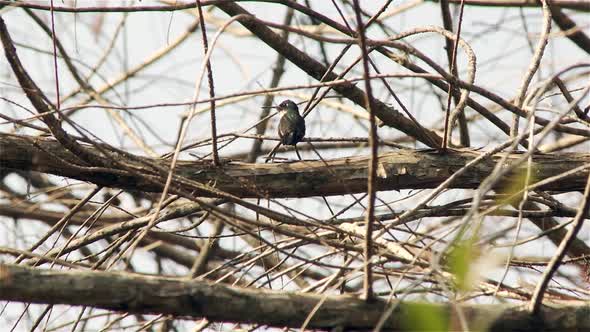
<point x="139" y="294"/>
<point x="568" y="4"/>
<point x="404" y="169"/>
<point x="582" y="5"/>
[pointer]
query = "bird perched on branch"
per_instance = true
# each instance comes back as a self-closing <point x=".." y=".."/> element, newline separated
<point x="292" y="125"/>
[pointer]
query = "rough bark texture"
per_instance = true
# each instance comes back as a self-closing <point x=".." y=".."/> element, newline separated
<point x="396" y="170"/>
<point x="178" y="297"/>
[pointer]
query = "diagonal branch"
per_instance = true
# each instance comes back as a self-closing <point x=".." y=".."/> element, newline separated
<point x="315" y="69"/>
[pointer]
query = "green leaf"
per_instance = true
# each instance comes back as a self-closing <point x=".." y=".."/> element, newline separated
<point x="424" y="317"/>
<point x="513" y="186"/>
<point x="460" y="260"/>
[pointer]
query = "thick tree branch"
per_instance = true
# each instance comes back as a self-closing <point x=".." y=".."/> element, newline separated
<point x="140" y="294"/>
<point x="574" y="33"/>
<point x="396" y="170"/>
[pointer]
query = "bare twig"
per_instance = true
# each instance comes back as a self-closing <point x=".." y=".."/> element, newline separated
<point x="372" y="178"/>
<point x="451" y="49"/>
<point x="211" y="85"/>
<point x="583" y="210"/>
<point x="534" y="65"/>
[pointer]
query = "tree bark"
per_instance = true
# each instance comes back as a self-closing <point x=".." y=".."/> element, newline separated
<point x="396" y="170"/>
<point x="140" y="294"/>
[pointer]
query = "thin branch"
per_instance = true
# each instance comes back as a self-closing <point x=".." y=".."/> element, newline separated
<point x="211" y="86"/>
<point x="533" y="66"/>
<point x="41" y="103"/>
<point x="387" y="114"/>
<point x="452" y="59"/>
<point x="583" y="211"/>
<point x="277" y="74"/>
<point x="54" y="37"/>
<point x="569" y="4"/>
<point x="372" y="169"/>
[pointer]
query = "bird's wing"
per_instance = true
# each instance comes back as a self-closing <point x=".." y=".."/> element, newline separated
<point x="301" y="123"/>
<point x="301" y="126"/>
<point x="283" y="127"/>
<point x="285" y="130"/>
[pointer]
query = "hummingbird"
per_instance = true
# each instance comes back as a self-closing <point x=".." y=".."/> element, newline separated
<point x="292" y="125"/>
